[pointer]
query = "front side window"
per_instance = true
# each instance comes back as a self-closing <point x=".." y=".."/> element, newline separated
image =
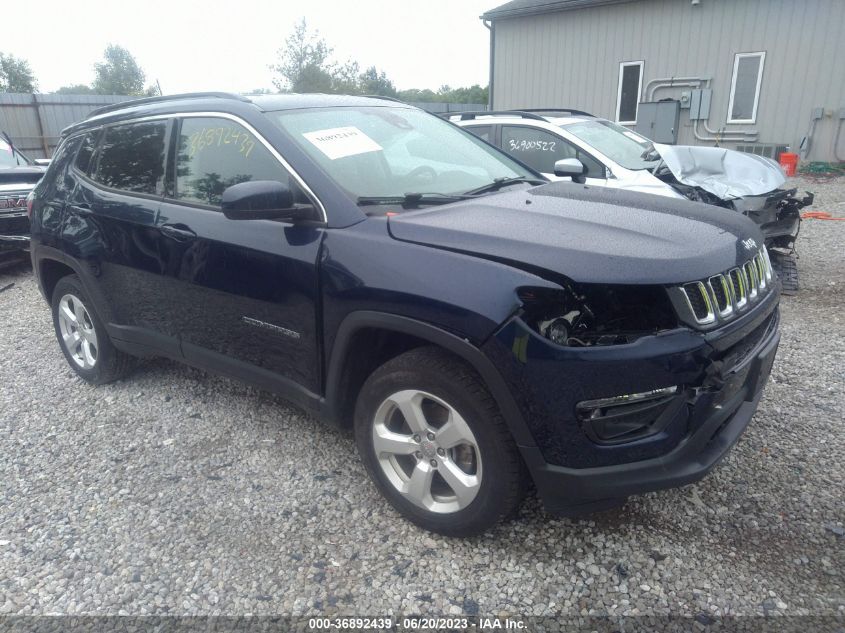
<point x="132" y="157"/>
<point x="619" y="144"/>
<point x="628" y="93"/>
<point x="745" y="87"/>
<point x="391" y="151"/>
<point x="541" y="150"/>
<point x="215" y="153"/>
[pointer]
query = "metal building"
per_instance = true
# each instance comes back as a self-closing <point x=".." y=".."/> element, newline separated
<point x="755" y="75"/>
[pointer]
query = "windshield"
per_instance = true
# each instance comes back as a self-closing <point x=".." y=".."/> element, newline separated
<point x="9" y="157"/>
<point x="389" y="152"/>
<point x="618" y="143"/>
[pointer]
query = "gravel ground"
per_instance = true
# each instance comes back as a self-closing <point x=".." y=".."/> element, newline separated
<point x="175" y="492"/>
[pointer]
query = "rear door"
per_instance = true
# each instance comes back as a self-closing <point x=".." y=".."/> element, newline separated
<point x="241" y="294"/>
<point x="541" y="149"/>
<point x="110" y="225"/>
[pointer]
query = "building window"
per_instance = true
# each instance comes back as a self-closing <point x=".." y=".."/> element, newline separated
<point x="628" y="96"/>
<point x="745" y="87"/>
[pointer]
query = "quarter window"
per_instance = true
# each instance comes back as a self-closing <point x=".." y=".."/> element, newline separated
<point x="86" y="151"/>
<point x="628" y="93"/>
<point x="745" y="87"/>
<point x="214" y="154"/>
<point x="482" y="131"/>
<point x="132" y="157"/>
<point x="541" y="150"/>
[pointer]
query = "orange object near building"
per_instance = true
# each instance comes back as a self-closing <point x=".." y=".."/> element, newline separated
<point x="789" y="162"/>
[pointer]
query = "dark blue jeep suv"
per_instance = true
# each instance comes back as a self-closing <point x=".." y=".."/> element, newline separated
<point x="479" y="327"/>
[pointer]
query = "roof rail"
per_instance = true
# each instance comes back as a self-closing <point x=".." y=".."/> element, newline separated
<point x="569" y="110"/>
<point x="187" y="95"/>
<point x="470" y="115"/>
<point x="524" y="113"/>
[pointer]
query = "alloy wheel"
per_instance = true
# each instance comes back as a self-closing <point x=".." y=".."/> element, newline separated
<point x="427" y="451"/>
<point x="78" y="334"/>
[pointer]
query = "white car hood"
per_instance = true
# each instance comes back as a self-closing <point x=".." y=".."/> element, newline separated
<point x="725" y="173"/>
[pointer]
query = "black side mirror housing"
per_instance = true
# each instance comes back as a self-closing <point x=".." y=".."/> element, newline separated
<point x="263" y="200"/>
<point x="571" y="167"/>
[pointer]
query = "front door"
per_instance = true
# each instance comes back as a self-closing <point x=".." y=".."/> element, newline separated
<point x="242" y="294"/>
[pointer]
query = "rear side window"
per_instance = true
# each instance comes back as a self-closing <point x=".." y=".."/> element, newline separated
<point x="213" y="154"/>
<point x="132" y="157"/>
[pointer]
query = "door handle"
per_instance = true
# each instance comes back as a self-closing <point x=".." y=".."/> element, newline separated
<point x="178" y="232"/>
<point x="82" y="209"/>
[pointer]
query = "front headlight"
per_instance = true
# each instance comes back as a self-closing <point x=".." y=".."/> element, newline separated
<point x="587" y="315"/>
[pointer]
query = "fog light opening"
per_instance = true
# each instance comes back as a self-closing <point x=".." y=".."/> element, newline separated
<point x="629" y="417"/>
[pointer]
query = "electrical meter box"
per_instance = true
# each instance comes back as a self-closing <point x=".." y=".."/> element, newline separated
<point x="658" y="120"/>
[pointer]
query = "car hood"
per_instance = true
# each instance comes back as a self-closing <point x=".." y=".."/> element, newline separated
<point x="725" y="173"/>
<point x="588" y="234"/>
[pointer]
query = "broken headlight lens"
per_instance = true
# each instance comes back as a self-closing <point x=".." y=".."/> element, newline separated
<point x="587" y="315"/>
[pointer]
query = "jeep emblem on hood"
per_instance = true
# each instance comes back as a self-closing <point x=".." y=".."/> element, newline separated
<point x="749" y="243"/>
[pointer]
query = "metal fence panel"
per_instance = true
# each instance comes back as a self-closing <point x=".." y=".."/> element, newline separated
<point x="35" y="121"/>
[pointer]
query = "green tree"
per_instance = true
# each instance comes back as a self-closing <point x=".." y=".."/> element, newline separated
<point x="419" y="96"/>
<point x="473" y="94"/>
<point x="74" y="89"/>
<point x="118" y="73"/>
<point x="373" y="82"/>
<point x="303" y="64"/>
<point x="16" y="75"/>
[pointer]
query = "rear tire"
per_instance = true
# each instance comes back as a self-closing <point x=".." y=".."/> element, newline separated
<point x="433" y="440"/>
<point x="82" y="336"/>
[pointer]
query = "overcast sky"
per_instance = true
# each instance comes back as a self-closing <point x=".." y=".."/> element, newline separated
<point x="215" y="45"/>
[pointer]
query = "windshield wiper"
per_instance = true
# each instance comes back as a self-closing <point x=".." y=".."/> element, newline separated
<point x="413" y="199"/>
<point x="498" y="183"/>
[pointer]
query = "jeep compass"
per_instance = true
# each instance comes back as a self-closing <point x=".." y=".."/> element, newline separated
<point x="478" y="327"/>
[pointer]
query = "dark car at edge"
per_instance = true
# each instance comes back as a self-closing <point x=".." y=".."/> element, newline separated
<point x="479" y="328"/>
<point x="18" y="176"/>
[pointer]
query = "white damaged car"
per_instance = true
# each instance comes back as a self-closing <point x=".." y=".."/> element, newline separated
<point x="564" y="144"/>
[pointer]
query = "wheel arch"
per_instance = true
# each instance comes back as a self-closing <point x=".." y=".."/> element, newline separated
<point x="343" y="385"/>
<point x="50" y="270"/>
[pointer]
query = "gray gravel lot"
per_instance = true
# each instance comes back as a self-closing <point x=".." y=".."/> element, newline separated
<point x="176" y="492"/>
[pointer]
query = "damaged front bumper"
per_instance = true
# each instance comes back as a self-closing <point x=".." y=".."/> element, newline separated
<point x="778" y="214"/>
<point x="719" y="377"/>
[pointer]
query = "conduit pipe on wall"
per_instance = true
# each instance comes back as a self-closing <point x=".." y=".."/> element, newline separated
<point x="723" y="138"/>
<point x="734" y="136"/>
<point x="669" y="82"/>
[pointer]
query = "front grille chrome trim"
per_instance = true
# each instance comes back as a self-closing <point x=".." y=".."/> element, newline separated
<point x="718" y="285"/>
<point x="724" y="296"/>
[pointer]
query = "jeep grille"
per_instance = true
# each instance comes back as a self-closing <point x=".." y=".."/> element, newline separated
<point x="724" y="296"/>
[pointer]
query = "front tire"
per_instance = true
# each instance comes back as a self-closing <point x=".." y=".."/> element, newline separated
<point x="433" y="440"/>
<point x="82" y="336"/>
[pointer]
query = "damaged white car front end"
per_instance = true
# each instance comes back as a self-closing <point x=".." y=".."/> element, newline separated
<point x="747" y="183"/>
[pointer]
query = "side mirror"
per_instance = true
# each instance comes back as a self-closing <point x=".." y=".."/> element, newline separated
<point x="571" y="167"/>
<point x="263" y="200"/>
